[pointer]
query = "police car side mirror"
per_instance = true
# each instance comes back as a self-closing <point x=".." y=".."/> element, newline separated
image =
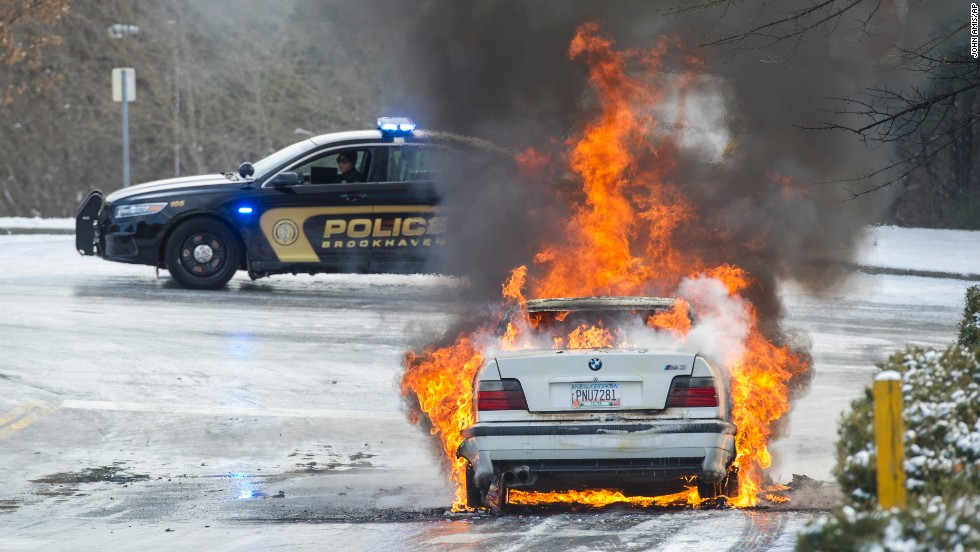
<point x="285" y="179"/>
<point x="245" y="170"/>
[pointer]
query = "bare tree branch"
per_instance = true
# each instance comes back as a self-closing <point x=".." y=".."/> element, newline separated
<point x="925" y="120"/>
<point x="884" y="118"/>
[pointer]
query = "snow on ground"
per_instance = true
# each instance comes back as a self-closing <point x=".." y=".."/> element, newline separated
<point x="866" y="319"/>
<point x="36" y="223"/>
<point x="952" y="251"/>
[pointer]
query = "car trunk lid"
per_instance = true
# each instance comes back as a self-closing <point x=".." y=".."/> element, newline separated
<point x="595" y="380"/>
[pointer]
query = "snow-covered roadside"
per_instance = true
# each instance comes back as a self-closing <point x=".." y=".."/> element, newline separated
<point x="17" y="225"/>
<point x="40" y="223"/>
<point x="922" y="249"/>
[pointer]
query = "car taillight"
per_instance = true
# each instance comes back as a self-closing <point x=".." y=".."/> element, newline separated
<point x="686" y="392"/>
<point x="505" y="394"/>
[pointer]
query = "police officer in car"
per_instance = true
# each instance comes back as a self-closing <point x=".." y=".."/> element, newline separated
<point x="345" y="168"/>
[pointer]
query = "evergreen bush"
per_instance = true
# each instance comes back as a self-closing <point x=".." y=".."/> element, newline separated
<point x="970" y="325"/>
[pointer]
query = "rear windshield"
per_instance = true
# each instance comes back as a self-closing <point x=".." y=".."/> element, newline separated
<point x="560" y="323"/>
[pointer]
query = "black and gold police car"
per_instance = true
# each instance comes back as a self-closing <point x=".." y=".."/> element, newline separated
<point x="360" y="201"/>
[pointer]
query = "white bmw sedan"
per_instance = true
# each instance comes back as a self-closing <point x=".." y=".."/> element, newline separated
<point x="644" y="422"/>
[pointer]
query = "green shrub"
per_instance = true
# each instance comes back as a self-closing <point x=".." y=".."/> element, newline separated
<point x="970" y="325"/>
<point x="927" y="524"/>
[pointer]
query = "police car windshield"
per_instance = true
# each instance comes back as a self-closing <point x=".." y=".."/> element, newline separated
<point x="281" y="157"/>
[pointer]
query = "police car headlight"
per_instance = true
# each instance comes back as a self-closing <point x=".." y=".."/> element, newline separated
<point x="138" y="209"/>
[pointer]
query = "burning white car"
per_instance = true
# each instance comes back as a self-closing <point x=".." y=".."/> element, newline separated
<point x="644" y="422"/>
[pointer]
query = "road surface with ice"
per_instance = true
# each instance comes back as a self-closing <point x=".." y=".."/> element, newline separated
<point x="136" y="415"/>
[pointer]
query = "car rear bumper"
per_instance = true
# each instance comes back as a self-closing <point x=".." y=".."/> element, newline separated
<point x="661" y="449"/>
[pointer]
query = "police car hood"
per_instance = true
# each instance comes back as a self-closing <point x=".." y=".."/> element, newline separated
<point x="167" y="185"/>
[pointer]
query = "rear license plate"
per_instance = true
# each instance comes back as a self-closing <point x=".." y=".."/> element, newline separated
<point x="598" y="394"/>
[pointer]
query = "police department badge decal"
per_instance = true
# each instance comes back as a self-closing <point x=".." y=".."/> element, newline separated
<point x="285" y="232"/>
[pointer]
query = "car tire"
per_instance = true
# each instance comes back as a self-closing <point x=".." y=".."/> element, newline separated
<point x="717" y="494"/>
<point x="203" y="254"/>
<point x="474" y="498"/>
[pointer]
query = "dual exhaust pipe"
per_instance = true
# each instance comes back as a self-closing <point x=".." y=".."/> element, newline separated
<point x="520" y="475"/>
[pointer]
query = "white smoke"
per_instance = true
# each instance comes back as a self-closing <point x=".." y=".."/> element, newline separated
<point x="721" y="324"/>
<point x="722" y="320"/>
<point x="695" y="115"/>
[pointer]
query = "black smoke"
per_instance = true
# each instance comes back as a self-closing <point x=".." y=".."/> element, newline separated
<point x="776" y="206"/>
<point x="775" y="200"/>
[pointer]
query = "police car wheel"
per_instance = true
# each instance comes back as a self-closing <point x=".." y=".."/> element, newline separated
<point x="202" y="254"/>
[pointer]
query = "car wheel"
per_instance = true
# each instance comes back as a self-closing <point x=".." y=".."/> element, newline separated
<point x="495" y="497"/>
<point x="474" y="499"/>
<point x="717" y="494"/>
<point x="202" y="254"/>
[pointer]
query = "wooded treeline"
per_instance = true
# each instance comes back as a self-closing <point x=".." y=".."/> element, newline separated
<point x="214" y="87"/>
<point x="222" y="81"/>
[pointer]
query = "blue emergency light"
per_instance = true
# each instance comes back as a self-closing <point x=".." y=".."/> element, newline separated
<point x="394" y="127"/>
<point x="244" y="210"/>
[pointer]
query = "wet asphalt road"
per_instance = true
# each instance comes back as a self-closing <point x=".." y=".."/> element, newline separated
<point x="137" y="415"/>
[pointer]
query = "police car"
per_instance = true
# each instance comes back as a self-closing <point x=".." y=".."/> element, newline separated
<point x="299" y="210"/>
<point x="640" y="421"/>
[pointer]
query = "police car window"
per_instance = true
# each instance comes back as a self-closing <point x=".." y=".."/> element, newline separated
<point x="276" y="159"/>
<point x="328" y="169"/>
<point x="415" y="164"/>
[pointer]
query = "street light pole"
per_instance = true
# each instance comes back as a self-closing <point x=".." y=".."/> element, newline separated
<point x="126" y="79"/>
<point x="176" y="35"/>
<point x="125" y="131"/>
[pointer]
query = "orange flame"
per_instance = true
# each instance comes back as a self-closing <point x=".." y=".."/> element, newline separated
<point x="624" y="203"/>
<point x="446" y="397"/>
<point x="625" y="232"/>
<point x="734" y="278"/>
<point x="590" y="337"/>
<point x="772" y="497"/>
<point x="513" y="293"/>
<point x="677" y="319"/>
<point x="760" y="396"/>
<point x="598" y="498"/>
<point x="530" y="160"/>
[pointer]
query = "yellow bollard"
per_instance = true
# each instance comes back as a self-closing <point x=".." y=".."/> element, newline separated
<point x="889" y="439"/>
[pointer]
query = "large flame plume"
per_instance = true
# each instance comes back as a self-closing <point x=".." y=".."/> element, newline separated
<point x="621" y="239"/>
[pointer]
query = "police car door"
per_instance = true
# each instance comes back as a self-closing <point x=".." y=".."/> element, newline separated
<point x="322" y="224"/>
<point x="408" y="225"/>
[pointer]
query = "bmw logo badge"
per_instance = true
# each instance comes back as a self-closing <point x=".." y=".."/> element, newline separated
<point x="595" y="364"/>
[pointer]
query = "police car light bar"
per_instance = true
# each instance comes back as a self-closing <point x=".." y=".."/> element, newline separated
<point x="396" y="126"/>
